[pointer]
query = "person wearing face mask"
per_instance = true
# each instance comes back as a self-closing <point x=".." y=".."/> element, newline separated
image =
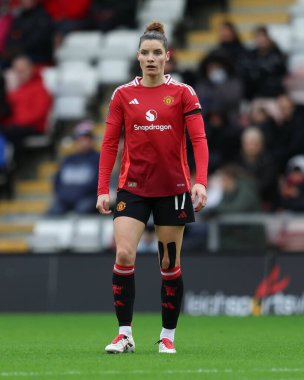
<point x="267" y="67"/>
<point x="153" y="111"/>
<point x="218" y="87"/>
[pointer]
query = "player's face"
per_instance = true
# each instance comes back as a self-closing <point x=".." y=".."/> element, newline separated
<point x="152" y="57"/>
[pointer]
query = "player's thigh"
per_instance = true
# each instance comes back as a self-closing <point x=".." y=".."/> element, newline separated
<point x="127" y="233"/>
<point x="170" y="240"/>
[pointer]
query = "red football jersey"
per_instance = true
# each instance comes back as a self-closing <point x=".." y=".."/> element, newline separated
<point x="153" y="119"/>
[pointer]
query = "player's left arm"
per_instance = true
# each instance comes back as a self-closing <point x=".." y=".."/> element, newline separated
<point x="196" y="129"/>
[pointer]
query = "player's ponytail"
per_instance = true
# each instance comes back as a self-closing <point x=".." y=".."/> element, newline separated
<point x="155" y="31"/>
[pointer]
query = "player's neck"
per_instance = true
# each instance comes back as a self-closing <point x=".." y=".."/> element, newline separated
<point x="153" y="80"/>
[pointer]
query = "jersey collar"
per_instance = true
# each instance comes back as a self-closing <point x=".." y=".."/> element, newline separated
<point x="167" y="79"/>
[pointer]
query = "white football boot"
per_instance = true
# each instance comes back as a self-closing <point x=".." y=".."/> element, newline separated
<point x="166" y="346"/>
<point x="122" y="344"/>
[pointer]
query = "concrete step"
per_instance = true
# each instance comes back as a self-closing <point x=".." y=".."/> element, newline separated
<point x="261" y="3"/>
<point x="260" y="9"/>
<point x="47" y="169"/>
<point x="249" y="20"/>
<point x="23" y="207"/>
<point x="14" y="245"/>
<point x="16" y="228"/>
<point x="206" y="40"/>
<point x="188" y="59"/>
<point x="34" y="187"/>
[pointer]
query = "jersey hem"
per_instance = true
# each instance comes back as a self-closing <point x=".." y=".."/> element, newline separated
<point x="153" y="195"/>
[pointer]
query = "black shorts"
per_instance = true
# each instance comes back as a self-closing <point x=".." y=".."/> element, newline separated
<point x="175" y="210"/>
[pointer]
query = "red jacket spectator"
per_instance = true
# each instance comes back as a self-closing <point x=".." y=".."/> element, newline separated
<point x="30" y="103"/>
<point x="67" y="9"/>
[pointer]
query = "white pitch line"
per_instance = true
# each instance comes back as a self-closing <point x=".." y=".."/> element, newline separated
<point x="146" y="372"/>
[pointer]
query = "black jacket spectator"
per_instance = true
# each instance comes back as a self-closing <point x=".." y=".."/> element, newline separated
<point x="287" y="137"/>
<point x="4" y="106"/>
<point x="218" y="88"/>
<point x="230" y="46"/>
<point x="223" y="140"/>
<point x="267" y="68"/>
<point x="31" y="34"/>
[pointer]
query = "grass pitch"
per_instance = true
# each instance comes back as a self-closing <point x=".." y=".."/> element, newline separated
<point x="71" y="347"/>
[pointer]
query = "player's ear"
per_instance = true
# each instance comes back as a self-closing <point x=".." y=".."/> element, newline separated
<point x="137" y="55"/>
<point x="167" y="56"/>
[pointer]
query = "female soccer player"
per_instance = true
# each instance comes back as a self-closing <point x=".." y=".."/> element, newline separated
<point x="153" y="112"/>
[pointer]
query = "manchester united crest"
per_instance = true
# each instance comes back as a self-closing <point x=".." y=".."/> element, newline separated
<point x="121" y="206"/>
<point x="168" y="100"/>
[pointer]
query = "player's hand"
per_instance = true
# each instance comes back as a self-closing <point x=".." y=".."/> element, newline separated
<point x="199" y="194"/>
<point x="103" y="204"/>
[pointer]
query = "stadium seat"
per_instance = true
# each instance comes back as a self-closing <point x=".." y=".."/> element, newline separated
<point x="87" y="235"/>
<point x="297" y="27"/>
<point x="295" y="62"/>
<point x="77" y="79"/>
<point x="80" y="46"/>
<point x="281" y="34"/>
<point x="52" y="235"/>
<point x="170" y="11"/>
<point x="122" y="43"/>
<point x="50" y="78"/>
<point x="70" y="107"/>
<point x="113" y="71"/>
<point x="107" y="236"/>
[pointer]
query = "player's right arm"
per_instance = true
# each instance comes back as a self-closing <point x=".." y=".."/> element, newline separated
<point x="108" y="153"/>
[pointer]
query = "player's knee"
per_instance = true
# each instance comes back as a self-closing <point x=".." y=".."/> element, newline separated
<point x="165" y="264"/>
<point x="124" y="256"/>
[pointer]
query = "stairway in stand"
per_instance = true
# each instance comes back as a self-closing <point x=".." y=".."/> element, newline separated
<point x="246" y="14"/>
<point x="18" y="216"/>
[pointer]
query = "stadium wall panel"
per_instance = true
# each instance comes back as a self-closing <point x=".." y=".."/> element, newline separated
<point x="214" y="285"/>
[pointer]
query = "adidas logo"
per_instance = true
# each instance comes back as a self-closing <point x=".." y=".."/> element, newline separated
<point x="182" y="215"/>
<point x="134" y="101"/>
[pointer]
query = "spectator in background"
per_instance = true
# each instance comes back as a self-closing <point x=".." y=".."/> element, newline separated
<point x="218" y="87"/>
<point x="288" y="135"/>
<point x="76" y="181"/>
<point x="6" y="149"/>
<point x="260" y="118"/>
<point x="108" y="14"/>
<point x="230" y="45"/>
<point x="5" y="24"/>
<point x="68" y="16"/>
<point x="223" y="140"/>
<point x="239" y="192"/>
<point x="31" y="33"/>
<point x="29" y="102"/>
<point x="4" y="105"/>
<point x="292" y="185"/>
<point x="260" y="165"/>
<point x="267" y="69"/>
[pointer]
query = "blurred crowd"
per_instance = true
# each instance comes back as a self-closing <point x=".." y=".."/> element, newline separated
<point x="254" y="128"/>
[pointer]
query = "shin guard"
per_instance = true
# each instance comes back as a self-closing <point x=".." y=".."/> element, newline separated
<point x="123" y="285"/>
<point x="171" y="296"/>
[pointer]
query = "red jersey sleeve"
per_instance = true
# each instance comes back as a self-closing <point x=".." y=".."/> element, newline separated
<point x="196" y="129"/>
<point x="110" y="143"/>
<point x="190" y="100"/>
